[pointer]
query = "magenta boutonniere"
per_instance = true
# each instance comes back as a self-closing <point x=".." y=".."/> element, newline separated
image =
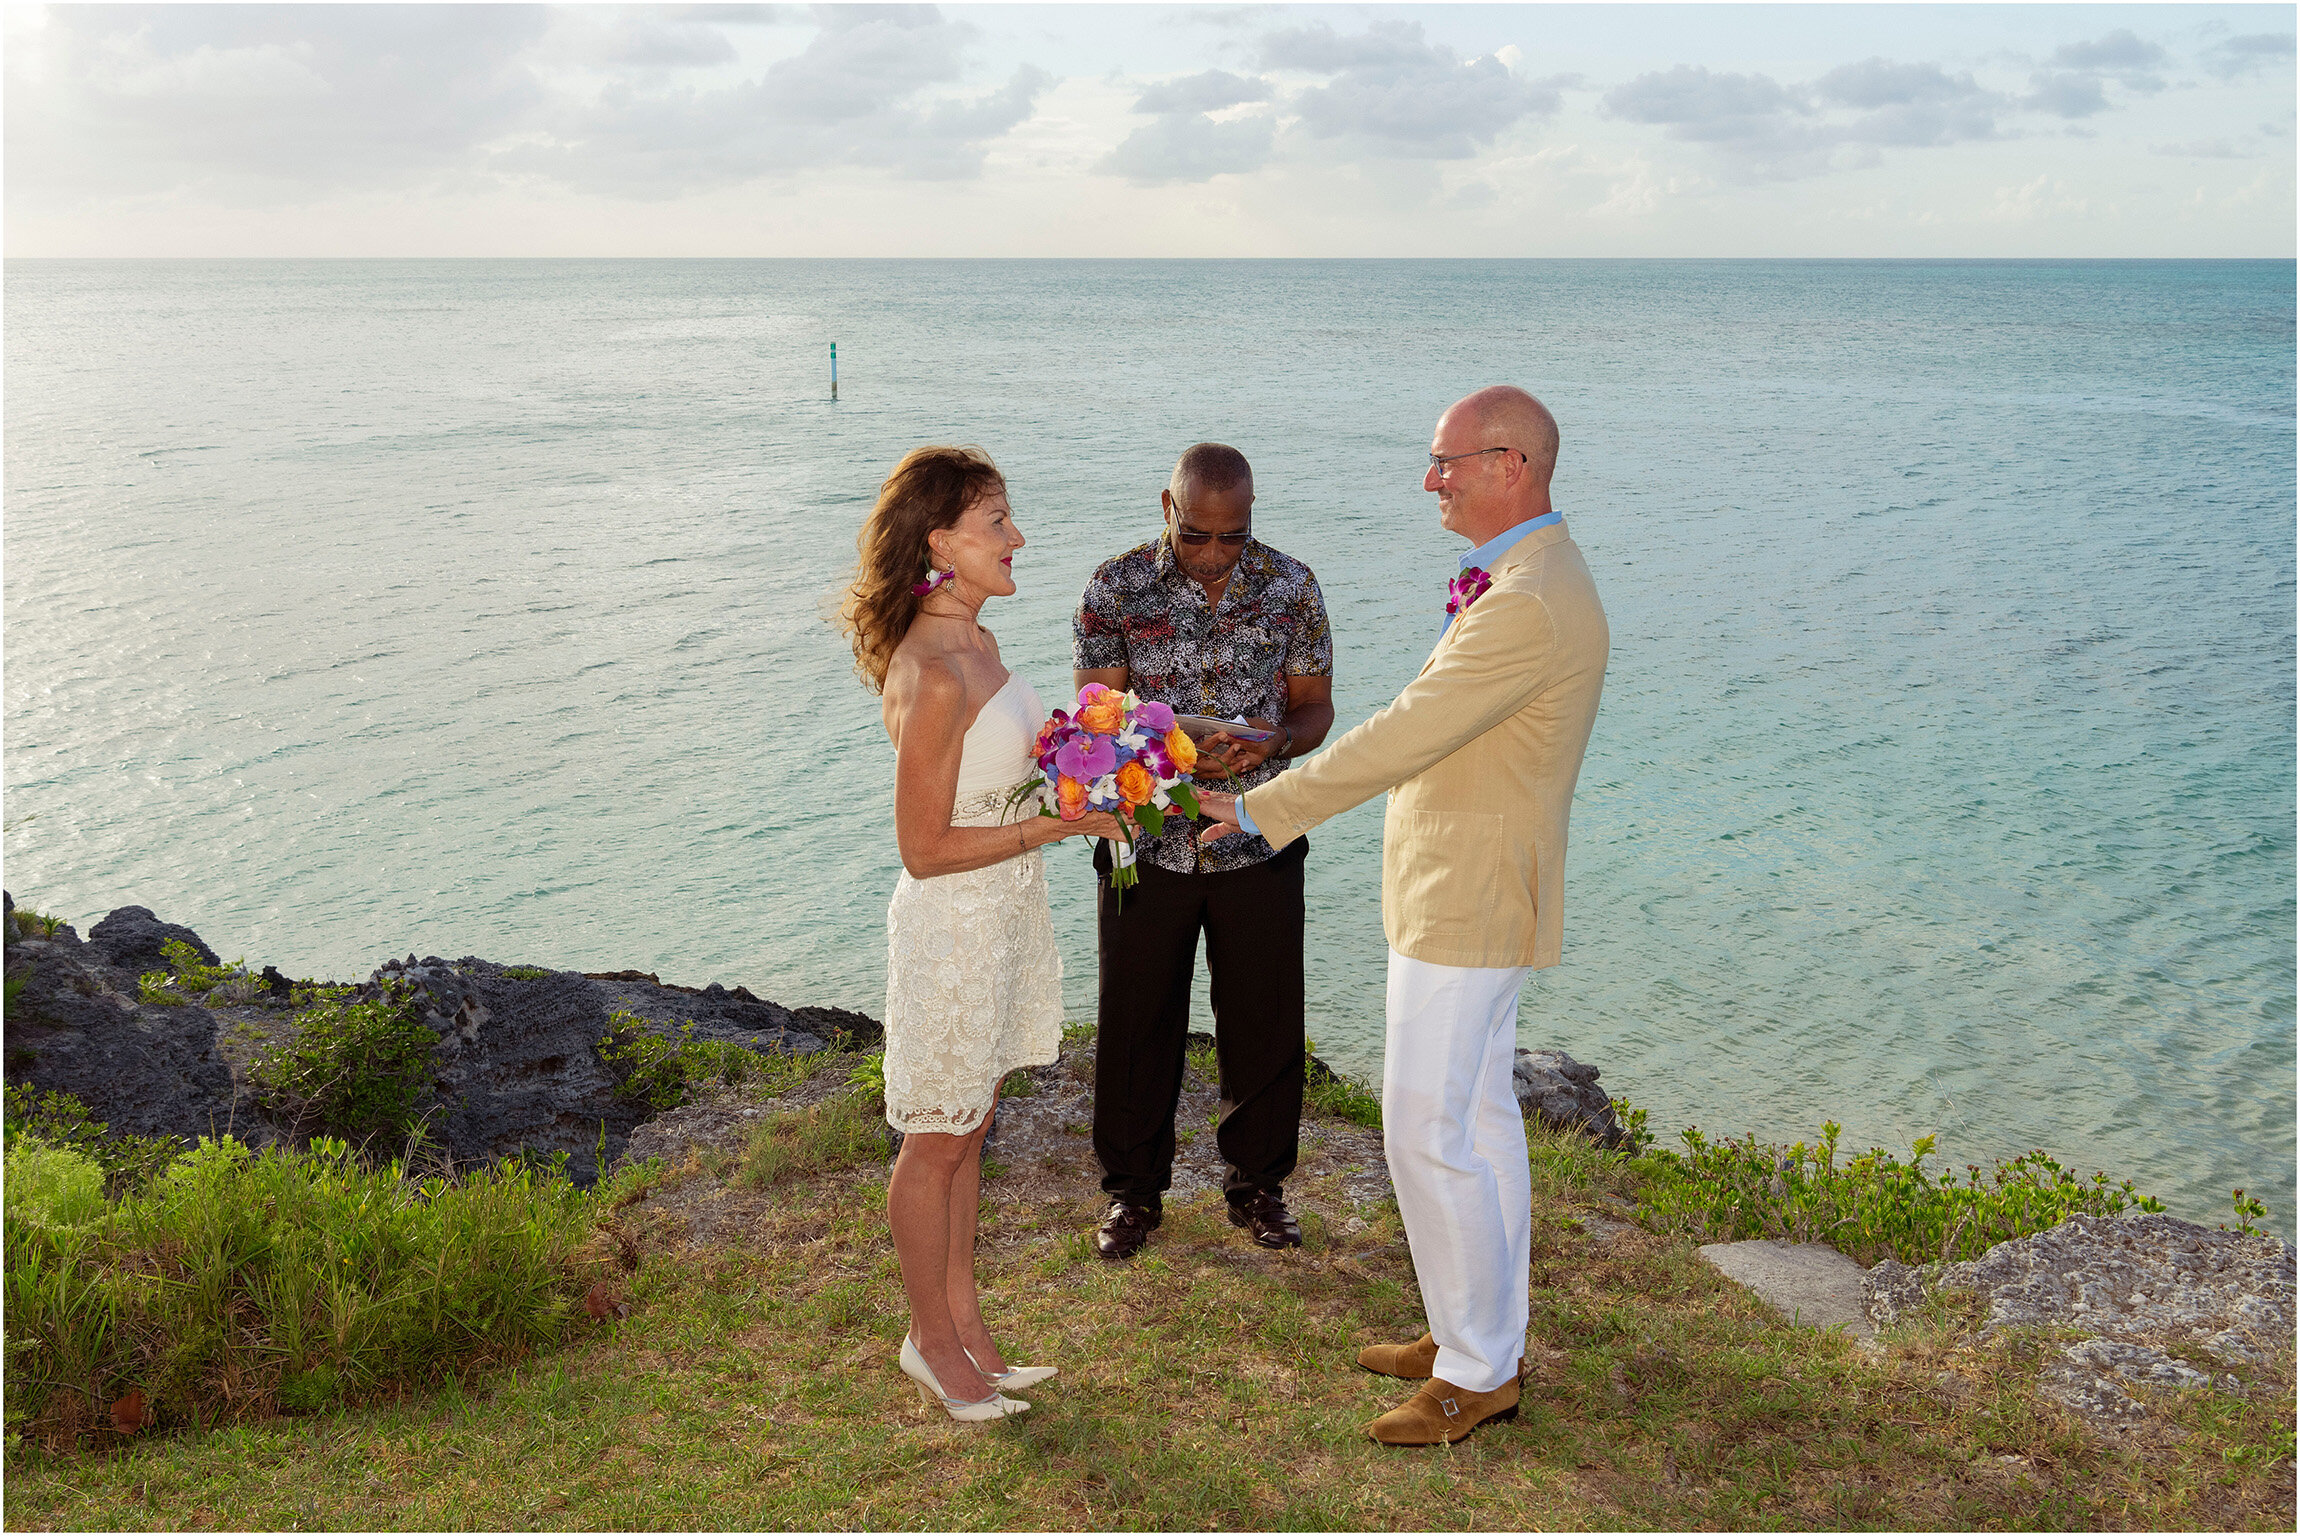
<point x="1466" y="589"/>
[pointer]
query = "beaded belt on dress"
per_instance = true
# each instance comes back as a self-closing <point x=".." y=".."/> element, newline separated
<point x="990" y="808"/>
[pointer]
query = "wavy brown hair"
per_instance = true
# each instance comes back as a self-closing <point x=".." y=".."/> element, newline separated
<point x="931" y="488"/>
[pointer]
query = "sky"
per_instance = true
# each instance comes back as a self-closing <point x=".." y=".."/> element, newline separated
<point x="1168" y="130"/>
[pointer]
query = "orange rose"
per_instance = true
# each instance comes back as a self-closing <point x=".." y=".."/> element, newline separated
<point x="1182" y="749"/>
<point x="1069" y="797"/>
<point x="1105" y="713"/>
<point x="1136" y="783"/>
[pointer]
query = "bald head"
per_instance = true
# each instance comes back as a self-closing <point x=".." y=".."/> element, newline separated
<point x="1204" y="467"/>
<point x="1507" y="417"/>
<point x="1491" y="460"/>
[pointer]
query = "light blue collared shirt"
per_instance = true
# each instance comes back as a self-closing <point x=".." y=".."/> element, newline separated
<point x="1493" y="549"/>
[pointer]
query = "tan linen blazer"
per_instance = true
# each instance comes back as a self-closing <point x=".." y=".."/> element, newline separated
<point x="1479" y="756"/>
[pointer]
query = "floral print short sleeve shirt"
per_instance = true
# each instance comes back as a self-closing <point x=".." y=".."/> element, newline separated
<point x="1142" y="612"/>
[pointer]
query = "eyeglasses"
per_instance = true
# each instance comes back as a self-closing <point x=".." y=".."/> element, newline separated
<point x="1197" y="540"/>
<point x="1443" y="462"/>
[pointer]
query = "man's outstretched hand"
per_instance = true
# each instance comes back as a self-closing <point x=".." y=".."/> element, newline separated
<point x="1220" y="809"/>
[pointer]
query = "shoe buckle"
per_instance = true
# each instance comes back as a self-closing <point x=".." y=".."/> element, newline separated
<point x="1451" y="1411"/>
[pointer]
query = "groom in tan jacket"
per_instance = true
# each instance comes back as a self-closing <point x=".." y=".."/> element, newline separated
<point x="1479" y="757"/>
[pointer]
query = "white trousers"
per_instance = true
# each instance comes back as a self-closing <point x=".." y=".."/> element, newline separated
<point x="1456" y="1145"/>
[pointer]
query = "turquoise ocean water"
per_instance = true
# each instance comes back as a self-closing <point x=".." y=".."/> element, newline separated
<point x="1944" y="780"/>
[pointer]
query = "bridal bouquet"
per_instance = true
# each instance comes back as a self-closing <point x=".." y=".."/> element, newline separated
<point x="1120" y="754"/>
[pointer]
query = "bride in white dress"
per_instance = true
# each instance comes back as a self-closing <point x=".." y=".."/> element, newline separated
<point x="974" y="985"/>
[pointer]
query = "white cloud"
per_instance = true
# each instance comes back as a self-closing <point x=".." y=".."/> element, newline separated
<point x="272" y="102"/>
<point x="2234" y="56"/>
<point x="1394" y="94"/>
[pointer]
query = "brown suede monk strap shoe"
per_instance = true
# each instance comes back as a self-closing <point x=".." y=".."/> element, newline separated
<point x="1410" y="1362"/>
<point x="1266" y="1217"/>
<point x="1441" y="1413"/>
<point x="1125" y="1228"/>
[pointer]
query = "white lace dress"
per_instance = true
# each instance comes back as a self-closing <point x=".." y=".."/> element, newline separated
<point x="973" y="980"/>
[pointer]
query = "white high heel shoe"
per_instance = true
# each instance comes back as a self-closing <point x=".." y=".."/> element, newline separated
<point x="1015" y="1376"/>
<point x="996" y="1406"/>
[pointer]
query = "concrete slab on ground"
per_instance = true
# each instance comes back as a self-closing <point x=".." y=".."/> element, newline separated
<point x="1808" y="1283"/>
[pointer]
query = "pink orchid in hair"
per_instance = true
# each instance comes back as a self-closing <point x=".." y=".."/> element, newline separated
<point x="934" y="578"/>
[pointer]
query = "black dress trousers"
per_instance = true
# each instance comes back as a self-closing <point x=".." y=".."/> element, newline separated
<point x="1252" y="919"/>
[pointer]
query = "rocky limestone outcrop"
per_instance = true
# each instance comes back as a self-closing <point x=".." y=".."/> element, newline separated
<point x="516" y="1064"/>
<point x="2166" y="1302"/>
<point x="1556" y="1090"/>
<point x="130" y="939"/>
<point x="77" y="1026"/>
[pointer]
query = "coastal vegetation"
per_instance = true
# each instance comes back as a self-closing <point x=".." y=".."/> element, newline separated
<point x="354" y="1066"/>
<point x="1872" y="1206"/>
<point x="189" y="978"/>
<point x="663" y="1074"/>
<point x="260" y="1339"/>
<point x="235" y="1283"/>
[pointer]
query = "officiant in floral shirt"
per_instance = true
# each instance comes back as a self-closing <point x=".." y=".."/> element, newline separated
<point x="1210" y="621"/>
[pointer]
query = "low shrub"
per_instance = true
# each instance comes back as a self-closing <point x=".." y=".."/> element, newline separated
<point x="1873" y="1207"/>
<point x="61" y="1120"/>
<point x="53" y="1186"/>
<point x="524" y="973"/>
<point x="241" y="1281"/>
<point x="663" y="1074"/>
<point x="188" y="977"/>
<point x="34" y="925"/>
<point x="843" y="1131"/>
<point x="1327" y="1092"/>
<point x="358" y="1068"/>
<point x="869" y="1077"/>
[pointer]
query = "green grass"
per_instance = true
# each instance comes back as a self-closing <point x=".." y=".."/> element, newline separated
<point x="525" y="972"/>
<point x="1330" y="1093"/>
<point x="840" y="1132"/>
<point x="1206" y="1385"/>
<point x="238" y="1283"/>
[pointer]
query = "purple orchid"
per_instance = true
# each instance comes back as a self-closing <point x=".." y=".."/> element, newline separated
<point x="1466" y="589"/>
<point x="1151" y="715"/>
<point x="1086" y="758"/>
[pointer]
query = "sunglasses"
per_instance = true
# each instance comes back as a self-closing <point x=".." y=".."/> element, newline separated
<point x="1197" y="540"/>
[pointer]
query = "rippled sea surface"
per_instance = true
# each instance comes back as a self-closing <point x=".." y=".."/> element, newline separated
<point x="1943" y="783"/>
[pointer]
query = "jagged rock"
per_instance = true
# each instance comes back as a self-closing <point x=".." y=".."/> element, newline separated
<point x="130" y="939"/>
<point x="1891" y="1290"/>
<point x="79" y="1028"/>
<point x="2141" y="1278"/>
<point x="864" y="1033"/>
<point x="1557" y="1090"/>
<point x="276" y="984"/>
<point x="734" y="1017"/>
<point x="2089" y="1379"/>
<point x="448" y="998"/>
<point x="517" y="1066"/>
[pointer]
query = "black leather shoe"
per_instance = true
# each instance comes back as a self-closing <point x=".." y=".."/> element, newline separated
<point x="1125" y="1228"/>
<point x="1267" y="1218"/>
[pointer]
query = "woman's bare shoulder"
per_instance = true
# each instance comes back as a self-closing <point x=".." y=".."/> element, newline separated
<point x="923" y="678"/>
